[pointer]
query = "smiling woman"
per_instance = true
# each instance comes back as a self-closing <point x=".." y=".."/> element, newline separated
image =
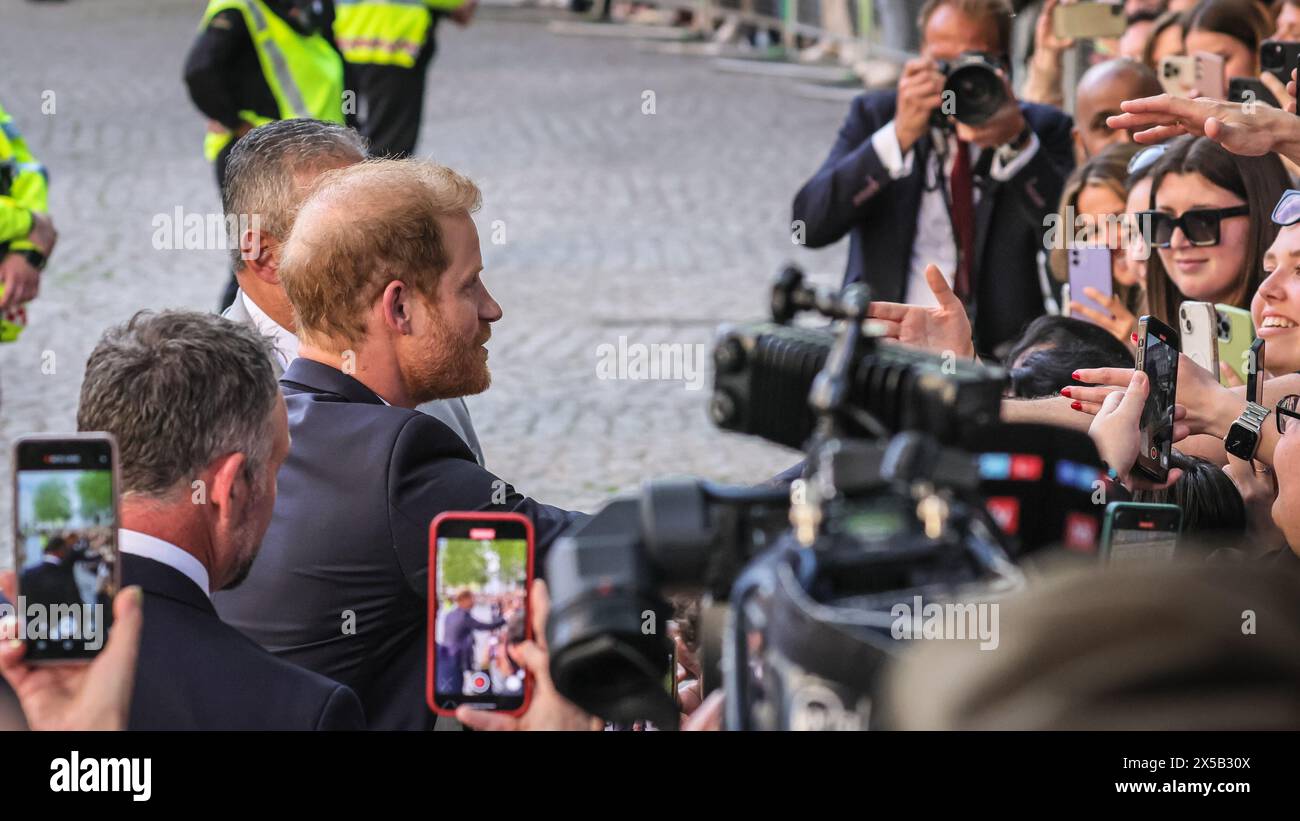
<point x="1208" y="247"/>
<point x="1276" y="306"/>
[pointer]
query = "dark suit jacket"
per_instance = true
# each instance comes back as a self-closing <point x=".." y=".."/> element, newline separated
<point x="341" y="583"/>
<point x="196" y="673"/>
<point x="852" y="193"/>
<point x="50" y="584"/>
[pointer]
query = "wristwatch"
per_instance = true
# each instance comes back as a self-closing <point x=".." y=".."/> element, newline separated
<point x="1243" y="437"/>
<point x="1007" y="153"/>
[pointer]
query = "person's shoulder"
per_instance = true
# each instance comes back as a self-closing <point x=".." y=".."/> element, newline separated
<point x="421" y="436"/>
<point x="875" y="103"/>
<point x="1043" y="117"/>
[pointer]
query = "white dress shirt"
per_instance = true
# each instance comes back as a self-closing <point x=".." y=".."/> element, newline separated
<point x="140" y="544"/>
<point x="935" y="241"/>
<point x="284" y="342"/>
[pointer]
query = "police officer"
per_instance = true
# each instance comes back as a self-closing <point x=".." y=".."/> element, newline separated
<point x="389" y="45"/>
<point x="27" y="234"/>
<point x="255" y="61"/>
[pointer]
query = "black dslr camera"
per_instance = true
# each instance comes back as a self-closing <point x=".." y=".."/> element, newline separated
<point x="972" y="90"/>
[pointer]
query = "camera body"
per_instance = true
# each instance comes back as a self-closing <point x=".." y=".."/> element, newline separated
<point x="973" y="89"/>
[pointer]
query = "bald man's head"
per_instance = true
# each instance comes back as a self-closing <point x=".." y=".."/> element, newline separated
<point x="1098" y="96"/>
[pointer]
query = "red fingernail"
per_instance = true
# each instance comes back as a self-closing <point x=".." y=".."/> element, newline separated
<point x="1076" y="405"/>
<point x="1075" y="376"/>
<point x="1133" y="337"/>
<point x="1065" y="391"/>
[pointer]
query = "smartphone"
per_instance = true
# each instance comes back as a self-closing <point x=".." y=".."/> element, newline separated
<point x="1236" y="331"/>
<point x="1255" y="372"/>
<point x="65" y="544"/>
<point x="1090" y="268"/>
<point x="1158" y="356"/>
<point x="1088" y="21"/>
<point x="1133" y="530"/>
<point x="480" y="571"/>
<point x="1199" y="326"/>
<point x="1278" y="57"/>
<point x="1177" y="74"/>
<point x="1209" y="75"/>
<point x="1201" y="72"/>
<point x="1250" y="90"/>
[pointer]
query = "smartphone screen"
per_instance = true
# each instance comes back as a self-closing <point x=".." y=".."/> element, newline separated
<point x="1090" y="268"/>
<point x="1158" y="357"/>
<point x="65" y="537"/>
<point x="1137" y="532"/>
<point x="481" y="566"/>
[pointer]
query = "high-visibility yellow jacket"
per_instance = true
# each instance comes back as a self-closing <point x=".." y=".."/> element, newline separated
<point x="23" y="187"/>
<point x="385" y="32"/>
<point x="303" y="71"/>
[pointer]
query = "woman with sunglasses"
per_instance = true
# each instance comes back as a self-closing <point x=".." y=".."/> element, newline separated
<point x="1207" y="247"/>
<point x="1093" y="208"/>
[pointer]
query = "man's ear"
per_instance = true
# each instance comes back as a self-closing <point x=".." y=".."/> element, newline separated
<point x="227" y="485"/>
<point x="1080" y="155"/>
<point x="396" y="305"/>
<point x="260" y="253"/>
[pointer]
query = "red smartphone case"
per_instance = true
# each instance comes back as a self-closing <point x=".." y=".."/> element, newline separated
<point x="431" y="653"/>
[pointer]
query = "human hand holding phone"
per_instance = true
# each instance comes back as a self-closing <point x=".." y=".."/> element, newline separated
<point x="548" y="710"/>
<point x="93" y="695"/>
<point x="1116" y="432"/>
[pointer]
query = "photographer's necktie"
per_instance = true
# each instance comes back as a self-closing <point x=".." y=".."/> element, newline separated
<point x="963" y="221"/>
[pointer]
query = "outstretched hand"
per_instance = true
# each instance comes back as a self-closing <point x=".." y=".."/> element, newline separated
<point x="1246" y="130"/>
<point x="943" y="328"/>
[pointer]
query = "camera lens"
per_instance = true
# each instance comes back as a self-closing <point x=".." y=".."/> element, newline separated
<point x="976" y="89"/>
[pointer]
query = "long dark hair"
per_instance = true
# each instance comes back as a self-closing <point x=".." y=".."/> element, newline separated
<point x="1259" y="181"/>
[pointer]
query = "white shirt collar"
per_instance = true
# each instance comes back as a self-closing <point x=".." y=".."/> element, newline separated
<point x="149" y="547"/>
<point x="285" y="343"/>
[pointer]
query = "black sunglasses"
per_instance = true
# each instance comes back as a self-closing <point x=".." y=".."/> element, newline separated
<point x="1286" y="412"/>
<point x="1287" y="210"/>
<point x="1200" y="225"/>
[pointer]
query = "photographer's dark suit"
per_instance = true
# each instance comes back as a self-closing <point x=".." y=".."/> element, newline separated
<point x="341" y="583"/>
<point x="195" y="673"/>
<point x="853" y="193"/>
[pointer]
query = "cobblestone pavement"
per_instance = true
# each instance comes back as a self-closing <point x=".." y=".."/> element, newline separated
<point x="654" y="227"/>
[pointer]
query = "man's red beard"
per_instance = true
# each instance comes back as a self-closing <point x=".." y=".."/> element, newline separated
<point x="452" y="367"/>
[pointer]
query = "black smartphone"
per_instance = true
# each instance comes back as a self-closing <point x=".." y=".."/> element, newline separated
<point x="480" y="570"/>
<point x="65" y="544"/>
<point x="1248" y="90"/>
<point x="1140" y="531"/>
<point x="1255" y="372"/>
<point x="1158" y="356"/>
<point x="1278" y="57"/>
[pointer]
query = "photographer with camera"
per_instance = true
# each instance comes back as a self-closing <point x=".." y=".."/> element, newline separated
<point x="952" y="170"/>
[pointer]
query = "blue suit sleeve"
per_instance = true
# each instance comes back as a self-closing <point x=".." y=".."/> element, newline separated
<point x="849" y="182"/>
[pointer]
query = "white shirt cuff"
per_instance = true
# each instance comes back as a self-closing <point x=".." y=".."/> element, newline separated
<point x="1002" y="173"/>
<point x="885" y="142"/>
